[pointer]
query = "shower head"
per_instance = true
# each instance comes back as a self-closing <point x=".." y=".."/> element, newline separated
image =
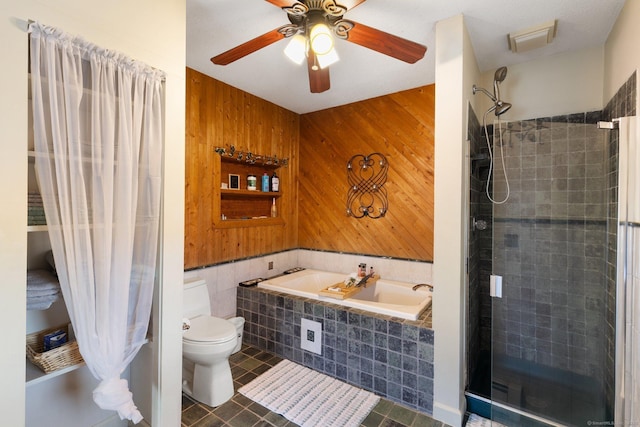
<point x="499" y="106"/>
<point x="502" y="107"/>
<point x="500" y="75"/>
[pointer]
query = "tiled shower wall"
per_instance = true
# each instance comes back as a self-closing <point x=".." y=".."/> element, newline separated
<point x="544" y="321"/>
<point x="549" y="243"/>
<point x="479" y="250"/>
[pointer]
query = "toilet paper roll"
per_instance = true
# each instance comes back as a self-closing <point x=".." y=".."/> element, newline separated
<point x="186" y="324"/>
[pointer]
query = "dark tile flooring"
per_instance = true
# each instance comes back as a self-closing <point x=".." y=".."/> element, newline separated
<point x="243" y="412"/>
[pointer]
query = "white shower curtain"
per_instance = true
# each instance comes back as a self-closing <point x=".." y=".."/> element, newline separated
<point x="629" y="266"/>
<point x="98" y="129"/>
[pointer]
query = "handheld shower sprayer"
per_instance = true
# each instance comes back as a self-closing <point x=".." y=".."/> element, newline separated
<point x="499" y="106"/>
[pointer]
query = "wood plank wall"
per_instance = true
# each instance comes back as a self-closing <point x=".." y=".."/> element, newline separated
<point x="219" y="115"/>
<point x="400" y="126"/>
<point x="314" y="185"/>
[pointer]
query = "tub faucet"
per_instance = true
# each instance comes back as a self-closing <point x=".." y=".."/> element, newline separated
<point x="422" y="285"/>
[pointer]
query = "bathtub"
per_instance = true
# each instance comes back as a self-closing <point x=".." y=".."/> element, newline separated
<point x="388" y="297"/>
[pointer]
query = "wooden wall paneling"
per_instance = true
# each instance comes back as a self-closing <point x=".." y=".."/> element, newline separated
<point x="400" y="126"/>
<point x="314" y="184"/>
<point x="220" y="115"/>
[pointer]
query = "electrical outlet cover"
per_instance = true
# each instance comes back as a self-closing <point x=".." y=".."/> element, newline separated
<point x="311" y="336"/>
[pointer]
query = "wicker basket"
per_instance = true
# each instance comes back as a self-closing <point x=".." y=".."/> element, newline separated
<point x="60" y="357"/>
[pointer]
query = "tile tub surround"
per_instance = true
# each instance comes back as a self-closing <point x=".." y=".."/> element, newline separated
<point x="388" y="356"/>
<point x="223" y="278"/>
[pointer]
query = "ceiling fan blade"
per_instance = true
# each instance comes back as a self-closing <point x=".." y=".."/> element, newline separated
<point x="283" y="3"/>
<point x="349" y="4"/>
<point x="247" y="48"/>
<point x="394" y="46"/>
<point x="318" y="77"/>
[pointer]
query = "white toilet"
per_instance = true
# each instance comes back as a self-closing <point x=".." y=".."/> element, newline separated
<point x="206" y="347"/>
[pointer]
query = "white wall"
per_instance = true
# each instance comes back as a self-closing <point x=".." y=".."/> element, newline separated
<point x="146" y="30"/>
<point x="456" y="71"/>
<point x="551" y="86"/>
<point x="13" y="241"/>
<point x="622" y="56"/>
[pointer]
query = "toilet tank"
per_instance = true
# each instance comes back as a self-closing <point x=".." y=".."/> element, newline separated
<point x="195" y="298"/>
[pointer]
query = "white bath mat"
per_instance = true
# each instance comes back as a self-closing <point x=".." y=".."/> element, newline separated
<point x="309" y="398"/>
<point x="476" y="420"/>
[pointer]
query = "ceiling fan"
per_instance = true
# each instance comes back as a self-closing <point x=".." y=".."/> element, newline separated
<point x="313" y="25"/>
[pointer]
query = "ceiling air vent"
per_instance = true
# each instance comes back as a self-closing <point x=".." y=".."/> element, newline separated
<point x="533" y="38"/>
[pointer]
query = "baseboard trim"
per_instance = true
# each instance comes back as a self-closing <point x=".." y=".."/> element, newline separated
<point x="448" y="415"/>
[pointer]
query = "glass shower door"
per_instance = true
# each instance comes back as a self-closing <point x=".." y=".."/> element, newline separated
<point x="549" y="328"/>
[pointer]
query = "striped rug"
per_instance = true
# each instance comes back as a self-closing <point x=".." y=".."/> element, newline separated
<point x="309" y="398"/>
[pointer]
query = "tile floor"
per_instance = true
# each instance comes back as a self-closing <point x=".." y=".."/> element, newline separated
<point x="243" y="412"/>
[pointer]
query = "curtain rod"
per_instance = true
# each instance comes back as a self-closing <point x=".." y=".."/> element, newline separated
<point x="163" y="77"/>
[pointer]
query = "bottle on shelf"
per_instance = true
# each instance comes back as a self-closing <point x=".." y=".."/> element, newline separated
<point x="275" y="182"/>
<point x="251" y="182"/>
<point x="274" y="209"/>
<point x="265" y="182"/>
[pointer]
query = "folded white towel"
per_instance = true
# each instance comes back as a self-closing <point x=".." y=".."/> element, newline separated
<point x="42" y="292"/>
<point x="41" y="303"/>
<point x="41" y="280"/>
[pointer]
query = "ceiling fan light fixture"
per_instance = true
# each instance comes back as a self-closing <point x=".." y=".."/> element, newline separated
<point x="328" y="58"/>
<point x="296" y="49"/>
<point x="320" y="39"/>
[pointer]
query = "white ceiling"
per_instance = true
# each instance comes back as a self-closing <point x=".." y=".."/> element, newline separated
<point x="214" y="26"/>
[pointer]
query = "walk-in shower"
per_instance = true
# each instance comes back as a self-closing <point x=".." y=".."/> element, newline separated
<point x="545" y="352"/>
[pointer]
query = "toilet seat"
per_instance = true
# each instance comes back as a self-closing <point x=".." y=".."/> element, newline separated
<point x="210" y="330"/>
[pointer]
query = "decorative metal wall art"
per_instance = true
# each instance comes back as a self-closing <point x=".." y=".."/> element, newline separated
<point x="250" y="157"/>
<point x="366" y="176"/>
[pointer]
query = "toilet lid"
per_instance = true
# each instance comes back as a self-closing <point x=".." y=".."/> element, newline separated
<point x="210" y="329"/>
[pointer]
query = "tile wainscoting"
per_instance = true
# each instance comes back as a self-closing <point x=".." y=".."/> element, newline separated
<point x="388" y="356"/>
<point x="223" y="278"/>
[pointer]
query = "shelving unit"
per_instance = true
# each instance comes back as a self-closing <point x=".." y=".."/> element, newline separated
<point x="241" y="207"/>
<point x="35" y="376"/>
<point x="244" y="194"/>
<point x="38" y="245"/>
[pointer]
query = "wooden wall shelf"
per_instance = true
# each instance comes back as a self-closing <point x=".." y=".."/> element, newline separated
<point x="229" y="194"/>
<point x="250" y="222"/>
<point x="240" y="208"/>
